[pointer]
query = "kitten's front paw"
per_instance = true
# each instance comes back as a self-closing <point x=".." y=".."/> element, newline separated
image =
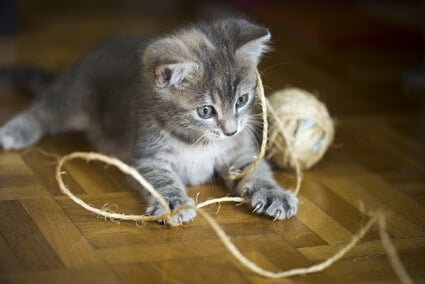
<point x="174" y="202"/>
<point x="267" y="198"/>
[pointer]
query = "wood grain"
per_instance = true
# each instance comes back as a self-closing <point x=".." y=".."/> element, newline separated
<point x="23" y="237"/>
<point x="377" y="160"/>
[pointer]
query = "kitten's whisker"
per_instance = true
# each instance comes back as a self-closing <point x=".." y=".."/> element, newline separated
<point x="254" y="134"/>
<point x="202" y="141"/>
<point x="255" y="122"/>
<point x="253" y="129"/>
<point x="198" y="141"/>
<point x="256" y="117"/>
<point x="289" y="61"/>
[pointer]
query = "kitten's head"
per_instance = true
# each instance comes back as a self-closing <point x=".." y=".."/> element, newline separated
<point x="203" y="78"/>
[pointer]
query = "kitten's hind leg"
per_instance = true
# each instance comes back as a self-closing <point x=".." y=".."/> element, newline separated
<point x="23" y="130"/>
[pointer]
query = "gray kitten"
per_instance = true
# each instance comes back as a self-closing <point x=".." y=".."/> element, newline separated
<point x="178" y="108"/>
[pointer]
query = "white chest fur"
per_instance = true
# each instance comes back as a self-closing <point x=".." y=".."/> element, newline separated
<point x="196" y="165"/>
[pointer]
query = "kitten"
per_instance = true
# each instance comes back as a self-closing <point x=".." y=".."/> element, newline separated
<point x="178" y="108"/>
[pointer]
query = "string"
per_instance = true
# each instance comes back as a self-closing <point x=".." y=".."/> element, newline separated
<point x="376" y="217"/>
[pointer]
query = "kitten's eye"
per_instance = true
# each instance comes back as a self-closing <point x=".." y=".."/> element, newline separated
<point x="242" y="100"/>
<point x="205" y="112"/>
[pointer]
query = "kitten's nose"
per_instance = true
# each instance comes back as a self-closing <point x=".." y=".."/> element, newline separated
<point x="229" y="133"/>
<point x="228" y="126"/>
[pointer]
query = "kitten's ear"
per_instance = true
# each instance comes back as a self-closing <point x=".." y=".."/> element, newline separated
<point x="253" y="49"/>
<point x="253" y="43"/>
<point x="173" y="74"/>
<point x="168" y="60"/>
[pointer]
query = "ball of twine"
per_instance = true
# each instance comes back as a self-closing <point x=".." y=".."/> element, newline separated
<point x="305" y="121"/>
<point x="316" y="114"/>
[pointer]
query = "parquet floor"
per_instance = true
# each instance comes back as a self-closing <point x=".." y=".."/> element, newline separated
<point x="348" y="54"/>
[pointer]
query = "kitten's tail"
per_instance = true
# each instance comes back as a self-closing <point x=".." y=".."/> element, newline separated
<point x="32" y="78"/>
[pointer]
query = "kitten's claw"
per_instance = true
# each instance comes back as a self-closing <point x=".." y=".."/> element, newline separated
<point x="277" y="214"/>
<point x="291" y="212"/>
<point x="257" y="207"/>
<point x="267" y="198"/>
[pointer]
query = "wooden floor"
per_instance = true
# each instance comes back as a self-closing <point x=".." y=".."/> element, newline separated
<point x="353" y="56"/>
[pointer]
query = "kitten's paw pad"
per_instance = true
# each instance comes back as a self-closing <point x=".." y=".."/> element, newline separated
<point x="271" y="200"/>
<point x="174" y="202"/>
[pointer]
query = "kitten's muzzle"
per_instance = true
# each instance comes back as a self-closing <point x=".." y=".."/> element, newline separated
<point x="229" y="127"/>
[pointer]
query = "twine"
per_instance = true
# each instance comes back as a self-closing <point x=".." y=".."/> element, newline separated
<point x="302" y="129"/>
<point x="289" y="151"/>
<point x="376" y="217"/>
<point x="123" y="167"/>
<point x="262" y="152"/>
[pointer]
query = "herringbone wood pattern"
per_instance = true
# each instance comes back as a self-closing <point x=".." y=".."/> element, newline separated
<point x="377" y="161"/>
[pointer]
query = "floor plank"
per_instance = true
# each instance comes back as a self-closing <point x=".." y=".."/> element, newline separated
<point x="355" y="56"/>
<point x="72" y="247"/>
<point x="24" y="239"/>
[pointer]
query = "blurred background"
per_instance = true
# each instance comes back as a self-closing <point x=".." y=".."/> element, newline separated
<point x="364" y="59"/>
<point x="360" y="57"/>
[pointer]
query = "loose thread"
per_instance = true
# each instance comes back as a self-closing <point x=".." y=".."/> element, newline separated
<point x="218" y="209"/>
<point x="43" y="152"/>
<point x="135" y="174"/>
<point x="377" y="217"/>
<point x="297" y="271"/>
<point x="278" y="122"/>
<point x="254" y="164"/>
<point x="392" y="255"/>
<point x="265" y="108"/>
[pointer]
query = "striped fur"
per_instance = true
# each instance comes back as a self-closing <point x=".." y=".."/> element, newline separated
<point x="139" y="99"/>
